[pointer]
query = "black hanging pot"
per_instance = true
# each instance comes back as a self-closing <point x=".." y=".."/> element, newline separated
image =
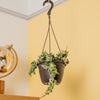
<point x="45" y="76"/>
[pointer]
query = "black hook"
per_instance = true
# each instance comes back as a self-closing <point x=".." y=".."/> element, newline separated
<point x="52" y="5"/>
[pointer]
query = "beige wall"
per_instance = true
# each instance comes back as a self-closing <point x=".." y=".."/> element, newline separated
<point x="14" y="31"/>
<point x="76" y="24"/>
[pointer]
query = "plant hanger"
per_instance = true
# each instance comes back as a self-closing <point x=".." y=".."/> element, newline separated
<point x="50" y="27"/>
<point x="51" y="66"/>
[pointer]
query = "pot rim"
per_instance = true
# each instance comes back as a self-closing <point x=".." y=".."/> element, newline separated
<point x="59" y="61"/>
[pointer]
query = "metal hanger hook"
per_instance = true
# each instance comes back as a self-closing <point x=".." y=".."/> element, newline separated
<point x="52" y="5"/>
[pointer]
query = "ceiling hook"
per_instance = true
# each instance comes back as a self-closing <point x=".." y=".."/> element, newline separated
<point x="52" y="5"/>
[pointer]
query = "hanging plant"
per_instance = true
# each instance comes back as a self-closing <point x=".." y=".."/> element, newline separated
<point x="51" y="66"/>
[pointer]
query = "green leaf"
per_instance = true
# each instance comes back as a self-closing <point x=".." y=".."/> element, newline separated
<point x="50" y="66"/>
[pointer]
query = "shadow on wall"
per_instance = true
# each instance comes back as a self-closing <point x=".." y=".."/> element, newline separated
<point x="75" y="80"/>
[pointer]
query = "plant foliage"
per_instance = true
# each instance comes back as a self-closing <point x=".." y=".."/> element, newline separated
<point x="50" y="66"/>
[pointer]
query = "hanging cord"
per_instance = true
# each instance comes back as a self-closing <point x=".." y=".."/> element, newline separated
<point x="55" y="36"/>
<point x="48" y="33"/>
<point x="49" y="17"/>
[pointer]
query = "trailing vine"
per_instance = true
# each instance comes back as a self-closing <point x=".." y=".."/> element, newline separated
<point x="50" y="66"/>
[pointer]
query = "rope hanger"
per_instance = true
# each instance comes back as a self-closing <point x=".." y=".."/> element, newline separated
<point x="50" y="27"/>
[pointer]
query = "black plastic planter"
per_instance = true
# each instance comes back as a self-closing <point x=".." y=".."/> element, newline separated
<point x="44" y="74"/>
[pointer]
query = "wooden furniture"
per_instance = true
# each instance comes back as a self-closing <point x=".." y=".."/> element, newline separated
<point x="12" y="97"/>
<point x="2" y="85"/>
